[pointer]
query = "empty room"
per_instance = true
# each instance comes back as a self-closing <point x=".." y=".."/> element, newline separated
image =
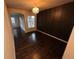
<point x="39" y="29"/>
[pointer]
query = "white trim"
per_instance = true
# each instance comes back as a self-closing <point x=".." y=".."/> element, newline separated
<point x="53" y="36"/>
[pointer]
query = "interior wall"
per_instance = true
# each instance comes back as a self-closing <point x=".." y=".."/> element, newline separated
<point x="26" y="13"/>
<point x="9" y="48"/>
<point x="57" y="21"/>
<point x="69" y="51"/>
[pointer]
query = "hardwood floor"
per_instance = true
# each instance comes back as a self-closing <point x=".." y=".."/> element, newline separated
<point x="35" y="45"/>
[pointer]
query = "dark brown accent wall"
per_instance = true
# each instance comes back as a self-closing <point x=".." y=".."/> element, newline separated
<point x="57" y="21"/>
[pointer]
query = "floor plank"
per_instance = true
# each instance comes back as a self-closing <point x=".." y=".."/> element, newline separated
<point x="35" y="45"/>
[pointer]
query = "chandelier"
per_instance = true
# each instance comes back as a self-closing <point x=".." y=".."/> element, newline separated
<point x="35" y="10"/>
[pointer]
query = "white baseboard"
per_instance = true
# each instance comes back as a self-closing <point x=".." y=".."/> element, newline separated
<point x="52" y="36"/>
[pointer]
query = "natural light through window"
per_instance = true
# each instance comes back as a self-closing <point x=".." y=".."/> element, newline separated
<point x="31" y="21"/>
<point x="13" y="20"/>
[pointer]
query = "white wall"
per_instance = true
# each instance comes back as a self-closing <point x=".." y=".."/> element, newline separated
<point x="26" y="13"/>
<point x="9" y="48"/>
<point x="69" y="51"/>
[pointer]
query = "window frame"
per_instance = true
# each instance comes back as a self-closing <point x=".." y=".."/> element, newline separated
<point x="30" y="22"/>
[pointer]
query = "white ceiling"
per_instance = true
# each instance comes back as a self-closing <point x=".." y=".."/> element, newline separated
<point x="29" y="4"/>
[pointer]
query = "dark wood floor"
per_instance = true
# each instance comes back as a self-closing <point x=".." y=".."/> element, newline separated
<point x="35" y="45"/>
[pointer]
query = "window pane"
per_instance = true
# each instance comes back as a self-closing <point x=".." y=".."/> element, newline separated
<point x="31" y="21"/>
<point x="13" y="20"/>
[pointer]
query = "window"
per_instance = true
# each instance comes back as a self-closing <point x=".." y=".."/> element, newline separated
<point x="31" y="21"/>
<point x="13" y="20"/>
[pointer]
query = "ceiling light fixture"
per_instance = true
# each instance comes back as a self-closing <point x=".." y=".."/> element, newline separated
<point x="35" y="10"/>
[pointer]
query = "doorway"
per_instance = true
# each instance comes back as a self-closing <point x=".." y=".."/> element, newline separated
<point x="17" y="21"/>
